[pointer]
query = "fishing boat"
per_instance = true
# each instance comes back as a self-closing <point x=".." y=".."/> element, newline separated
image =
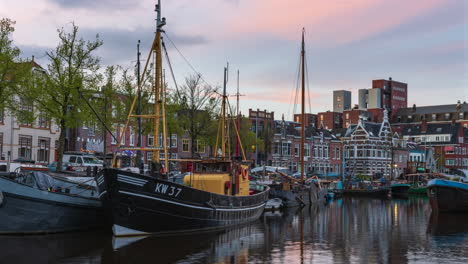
<point x="301" y="192"/>
<point x="215" y="195"/>
<point x="399" y="190"/>
<point x="34" y="202"/>
<point x="448" y="196"/>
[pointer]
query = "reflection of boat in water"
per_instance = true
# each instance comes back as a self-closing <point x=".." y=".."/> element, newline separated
<point x="36" y="202"/>
<point x="228" y="245"/>
<point x="399" y="190"/>
<point x="374" y="193"/>
<point x="53" y="247"/>
<point x="448" y="196"/>
<point x="447" y="224"/>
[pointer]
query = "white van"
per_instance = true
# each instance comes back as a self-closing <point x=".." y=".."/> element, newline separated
<point x="82" y="160"/>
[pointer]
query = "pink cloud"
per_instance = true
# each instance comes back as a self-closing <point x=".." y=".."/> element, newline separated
<point x="327" y="22"/>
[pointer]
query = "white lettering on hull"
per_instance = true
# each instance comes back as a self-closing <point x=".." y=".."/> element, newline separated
<point x="163" y="189"/>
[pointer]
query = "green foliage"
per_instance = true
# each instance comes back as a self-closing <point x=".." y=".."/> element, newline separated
<point x="13" y="71"/>
<point x="250" y="142"/>
<point x="72" y="65"/>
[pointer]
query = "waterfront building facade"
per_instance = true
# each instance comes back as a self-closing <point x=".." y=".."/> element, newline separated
<point x="368" y="149"/>
<point x="322" y="150"/>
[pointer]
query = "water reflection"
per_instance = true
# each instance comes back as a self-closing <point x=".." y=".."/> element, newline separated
<point x="344" y="231"/>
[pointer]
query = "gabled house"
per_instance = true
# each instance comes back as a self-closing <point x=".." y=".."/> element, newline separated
<point x="368" y="148"/>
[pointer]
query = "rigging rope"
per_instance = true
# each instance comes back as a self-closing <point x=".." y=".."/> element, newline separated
<point x="189" y="64"/>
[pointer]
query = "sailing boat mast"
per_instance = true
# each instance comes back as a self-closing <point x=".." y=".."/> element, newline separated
<point x="302" y="106"/>
<point x="159" y="110"/>
<point x="159" y="93"/>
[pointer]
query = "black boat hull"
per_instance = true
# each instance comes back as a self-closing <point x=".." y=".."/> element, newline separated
<point x="26" y="210"/>
<point x="400" y="192"/>
<point x="379" y="193"/>
<point x="448" y="199"/>
<point x="146" y="205"/>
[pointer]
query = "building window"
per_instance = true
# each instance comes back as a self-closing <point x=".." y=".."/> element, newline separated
<point x="25" y="146"/>
<point x="174" y="140"/>
<point x="150" y="140"/>
<point x="286" y="149"/>
<point x="296" y="150"/>
<point x="2" y="156"/>
<point x="306" y="150"/>
<point x="132" y="136"/>
<point x="122" y="132"/>
<point x="460" y="115"/>
<point x="447" y="116"/>
<point x="43" y="121"/>
<point x="185" y="145"/>
<point x="277" y="147"/>
<point x="43" y="150"/>
<point x="114" y="134"/>
<point x="91" y="130"/>
<point x="2" y="114"/>
<point x="200" y="147"/>
<point x="149" y="156"/>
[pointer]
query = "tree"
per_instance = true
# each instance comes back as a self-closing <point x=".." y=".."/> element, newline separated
<point x="195" y="106"/>
<point x="13" y="71"/>
<point x="247" y="137"/>
<point x="71" y="65"/>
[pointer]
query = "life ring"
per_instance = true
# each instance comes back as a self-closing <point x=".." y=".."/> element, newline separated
<point x="244" y="173"/>
<point x="1" y="199"/>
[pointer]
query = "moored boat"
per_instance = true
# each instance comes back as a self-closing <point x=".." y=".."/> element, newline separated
<point x="415" y="190"/>
<point x="142" y="204"/>
<point x="448" y="196"/>
<point x="35" y="202"/>
<point x="399" y="190"/>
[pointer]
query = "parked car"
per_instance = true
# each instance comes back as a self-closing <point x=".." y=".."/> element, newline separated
<point x="82" y="160"/>
<point x="53" y="166"/>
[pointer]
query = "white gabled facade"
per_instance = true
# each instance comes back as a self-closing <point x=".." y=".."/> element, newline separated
<point x="368" y="148"/>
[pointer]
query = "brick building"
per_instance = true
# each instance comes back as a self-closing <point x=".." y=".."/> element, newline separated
<point x="352" y="116"/>
<point x="448" y="141"/>
<point x="322" y="149"/>
<point x="394" y="94"/>
<point x="457" y="113"/>
<point x="330" y="120"/>
<point x="310" y="119"/>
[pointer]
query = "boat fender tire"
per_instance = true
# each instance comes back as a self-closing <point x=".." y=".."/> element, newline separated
<point x="244" y="174"/>
<point x="1" y="198"/>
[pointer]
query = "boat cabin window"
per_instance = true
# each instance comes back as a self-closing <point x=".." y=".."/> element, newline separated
<point x="213" y="167"/>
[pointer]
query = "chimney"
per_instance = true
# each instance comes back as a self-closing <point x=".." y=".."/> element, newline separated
<point x="423" y="126"/>
<point x="414" y="107"/>
<point x="390" y="78"/>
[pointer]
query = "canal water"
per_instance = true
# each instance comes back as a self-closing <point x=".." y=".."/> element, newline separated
<point x="343" y="231"/>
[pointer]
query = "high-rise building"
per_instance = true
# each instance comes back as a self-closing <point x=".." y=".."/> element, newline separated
<point x="370" y="98"/>
<point x="341" y="100"/>
<point x="394" y="94"/>
<point x="387" y="94"/>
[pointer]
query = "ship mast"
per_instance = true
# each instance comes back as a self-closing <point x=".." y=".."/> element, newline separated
<point x="159" y="110"/>
<point x="302" y="106"/>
